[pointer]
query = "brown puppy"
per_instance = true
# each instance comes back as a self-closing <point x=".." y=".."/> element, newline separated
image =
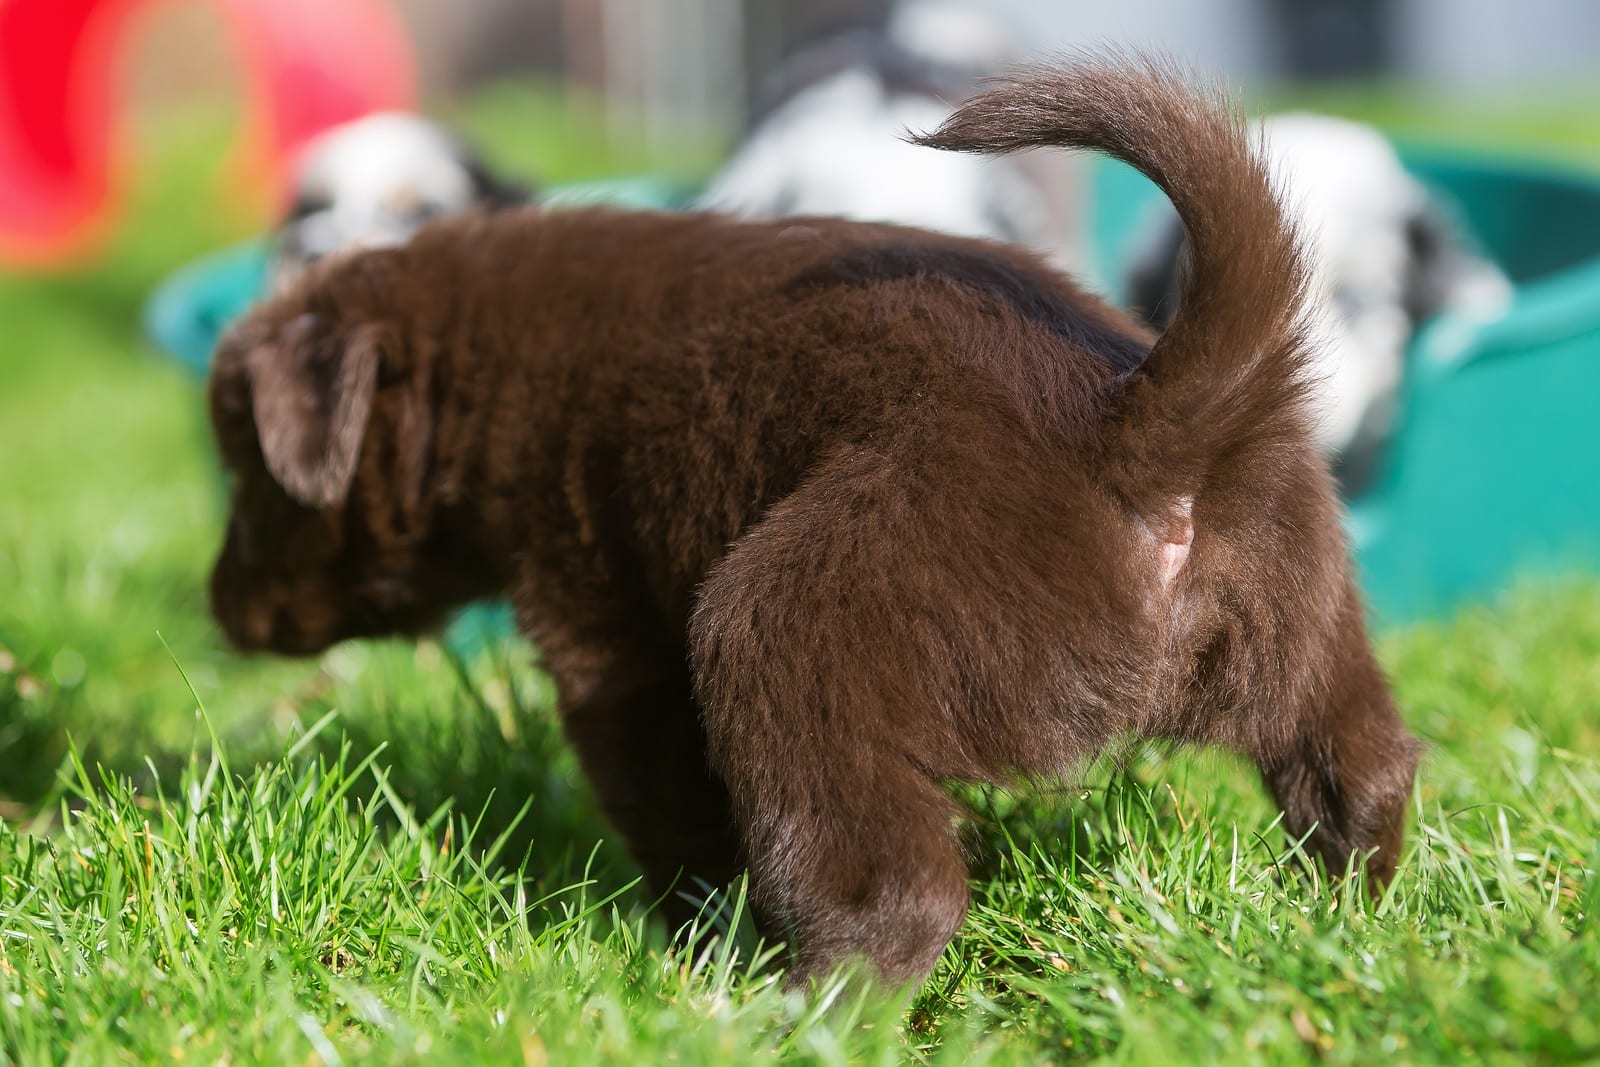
<point x="809" y="518"/>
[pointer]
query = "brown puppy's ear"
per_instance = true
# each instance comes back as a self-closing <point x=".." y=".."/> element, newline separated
<point x="415" y="433"/>
<point x="311" y="394"/>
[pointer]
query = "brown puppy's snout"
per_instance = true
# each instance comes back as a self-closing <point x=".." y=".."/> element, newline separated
<point x="290" y="619"/>
<point x="260" y="612"/>
<point x="247" y="622"/>
<point x="264" y="626"/>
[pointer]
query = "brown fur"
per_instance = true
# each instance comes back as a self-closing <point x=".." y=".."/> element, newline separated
<point x="810" y="518"/>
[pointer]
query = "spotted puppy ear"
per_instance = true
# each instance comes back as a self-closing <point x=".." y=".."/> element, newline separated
<point x="311" y="393"/>
<point x="489" y="188"/>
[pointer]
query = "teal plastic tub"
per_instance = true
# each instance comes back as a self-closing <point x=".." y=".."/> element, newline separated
<point x="1494" y="468"/>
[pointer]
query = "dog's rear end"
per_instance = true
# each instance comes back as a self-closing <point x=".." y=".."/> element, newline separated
<point x="1211" y="445"/>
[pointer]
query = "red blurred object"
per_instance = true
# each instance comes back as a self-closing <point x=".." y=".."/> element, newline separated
<point x="308" y="64"/>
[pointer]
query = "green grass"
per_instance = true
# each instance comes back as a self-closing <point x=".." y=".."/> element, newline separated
<point x="386" y="855"/>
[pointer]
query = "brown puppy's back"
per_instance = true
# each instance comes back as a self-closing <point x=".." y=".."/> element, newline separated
<point x="703" y="366"/>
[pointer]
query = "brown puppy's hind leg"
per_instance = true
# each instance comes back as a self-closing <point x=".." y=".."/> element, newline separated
<point x="822" y="717"/>
<point x="1346" y="775"/>
<point x="853" y="852"/>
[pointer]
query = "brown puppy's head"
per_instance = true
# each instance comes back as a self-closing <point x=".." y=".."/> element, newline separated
<point x="325" y="432"/>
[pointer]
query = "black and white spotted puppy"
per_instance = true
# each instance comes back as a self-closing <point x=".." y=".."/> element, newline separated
<point x="1384" y="257"/>
<point x="374" y="182"/>
<point x="827" y="135"/>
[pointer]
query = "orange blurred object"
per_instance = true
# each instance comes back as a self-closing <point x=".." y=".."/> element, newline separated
<point x="308" y="65"/>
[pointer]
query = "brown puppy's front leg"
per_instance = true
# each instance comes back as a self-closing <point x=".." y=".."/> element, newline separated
<point x="1346" y="774"/>
<point x="639" y="739"/>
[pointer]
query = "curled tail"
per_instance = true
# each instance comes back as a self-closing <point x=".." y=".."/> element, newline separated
<point x="1231" y="365"/>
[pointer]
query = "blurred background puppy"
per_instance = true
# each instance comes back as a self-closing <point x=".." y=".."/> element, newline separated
<point x="826" y="137"/>
<point x="1386" y="257"/>
<point x="374" y="182"/>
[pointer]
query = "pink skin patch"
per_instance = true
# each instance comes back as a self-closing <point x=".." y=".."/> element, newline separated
<point x="1174" y="541"/>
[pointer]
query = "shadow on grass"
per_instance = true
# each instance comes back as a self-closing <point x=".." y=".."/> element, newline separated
<point x="1122" y="803"/>
<point x="477" y="736"/>
<point x="459" y="743"/>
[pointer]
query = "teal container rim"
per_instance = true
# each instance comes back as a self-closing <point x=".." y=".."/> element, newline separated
<point x="1544" y="309"/>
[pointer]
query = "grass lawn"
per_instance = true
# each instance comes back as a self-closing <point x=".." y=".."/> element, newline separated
<point x="385" y="855"/>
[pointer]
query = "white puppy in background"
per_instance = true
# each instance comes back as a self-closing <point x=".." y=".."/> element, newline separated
<point x="829" y="138"/>
<point x="374" y="182"/>
<point x="1384" y="256"/>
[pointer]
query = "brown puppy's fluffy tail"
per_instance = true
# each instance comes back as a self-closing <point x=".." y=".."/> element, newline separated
<point x="1230" y="367"/>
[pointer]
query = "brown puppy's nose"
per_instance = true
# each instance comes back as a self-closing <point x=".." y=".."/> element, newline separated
<point x="253" y="626"/>
<point x="247" y="622"/>
<point x="269" y="626"/>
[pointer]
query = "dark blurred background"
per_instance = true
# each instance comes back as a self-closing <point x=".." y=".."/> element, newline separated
<point x="699" y="60"/>
<point x="698" y="57"/>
